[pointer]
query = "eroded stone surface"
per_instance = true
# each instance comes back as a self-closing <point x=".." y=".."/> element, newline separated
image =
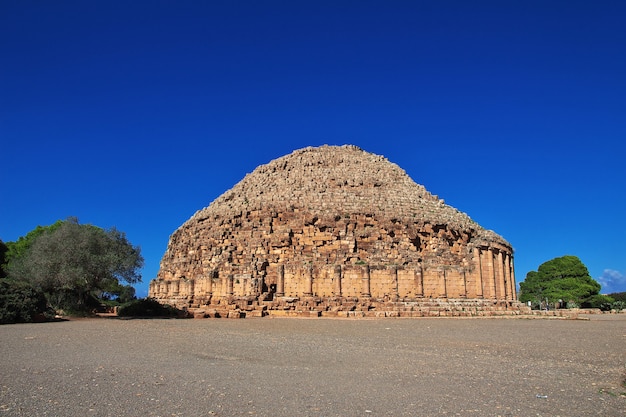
<point x="332" y="229"/>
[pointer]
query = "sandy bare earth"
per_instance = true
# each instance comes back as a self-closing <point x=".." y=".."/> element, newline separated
<point x="315" y="367"/>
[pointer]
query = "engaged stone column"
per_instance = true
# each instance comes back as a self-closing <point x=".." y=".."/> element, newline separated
<point x="513" y="286"/>
<point x="191" y="287"/>
<point x="395" y="292"/>
<point x="365" y="290"/>
<point x="478" y="268"/>
<point x="337" y="279"/>
<point x="443" y="290"/>
<point x="491" y="274"/>
<point x="464" y="284"/>
<point x="419" y="280"/>
<point x="309" y="282"/>
<point x="209" y="285"/>
<point x="507" y="276"/>
<point x="230" y="285"/>
<point x="502" y="288"/>
<point x="280" y="281"/>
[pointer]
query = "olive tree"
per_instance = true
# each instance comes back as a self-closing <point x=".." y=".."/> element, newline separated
<point x="15" y="250"/>
<point x="75" y="261"/>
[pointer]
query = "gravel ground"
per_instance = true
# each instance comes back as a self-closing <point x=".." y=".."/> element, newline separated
<point x="315" y="367"/>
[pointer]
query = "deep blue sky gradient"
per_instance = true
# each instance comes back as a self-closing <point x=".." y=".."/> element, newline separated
<point x="135" y="114"/>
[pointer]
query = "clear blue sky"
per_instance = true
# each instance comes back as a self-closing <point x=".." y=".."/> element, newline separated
<point x="136" y="114"/>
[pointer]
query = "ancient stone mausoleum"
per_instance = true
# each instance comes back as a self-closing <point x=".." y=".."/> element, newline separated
<point x="334" y="231"/>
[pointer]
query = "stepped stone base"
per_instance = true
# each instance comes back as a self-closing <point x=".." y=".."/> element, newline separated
<point x="355" y="308"/>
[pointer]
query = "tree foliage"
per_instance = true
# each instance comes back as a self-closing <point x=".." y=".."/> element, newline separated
<point x="603" y="302"/>
<point x="117" y="293"/>
<point x="3" y="251"/>
<point x="20" y="302"/>
<point x="565" y="278"/>
<point x="147" y="307"/>
<point x="618" y="296"/>
<point x="75" y="261"/>
<point x="17" y="249"/>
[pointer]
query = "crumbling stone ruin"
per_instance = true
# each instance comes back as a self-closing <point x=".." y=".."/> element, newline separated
<point x="334" y="231"/>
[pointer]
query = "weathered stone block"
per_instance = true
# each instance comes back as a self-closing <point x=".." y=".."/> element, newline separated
<point x="199" y="314"/>
<point x="236" y="314"/>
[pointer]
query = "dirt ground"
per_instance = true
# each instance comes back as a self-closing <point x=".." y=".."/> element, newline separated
<point x="315" y="367"/>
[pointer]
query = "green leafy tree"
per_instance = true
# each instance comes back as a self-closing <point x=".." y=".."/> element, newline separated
<point x="603" y="302"/>
<point x="20" y="302"/>
<point x="15" y="250"/>
<point x="118" y="293"/>
<point x="3" y="251"/>
<point x="147" y="307"/>
<point x="565" y="278"/>
<point x="618" y="296"/>
<point x="73" y="263"/>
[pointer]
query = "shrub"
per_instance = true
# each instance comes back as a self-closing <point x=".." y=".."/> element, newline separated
<point x="618" y="296"/>
<point x="68" y="302"/>
<point x="147" y="307"/>
<point x="20" y="302"/>
<point x="619" y="306"/>
<point x="603" y="302"/>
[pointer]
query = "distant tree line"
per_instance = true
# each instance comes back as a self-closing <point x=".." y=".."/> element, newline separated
<point x="66" y="266"/>
<point x="565" y="282"/>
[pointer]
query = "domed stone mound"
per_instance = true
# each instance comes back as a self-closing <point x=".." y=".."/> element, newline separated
<point x="328" y="230"/>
